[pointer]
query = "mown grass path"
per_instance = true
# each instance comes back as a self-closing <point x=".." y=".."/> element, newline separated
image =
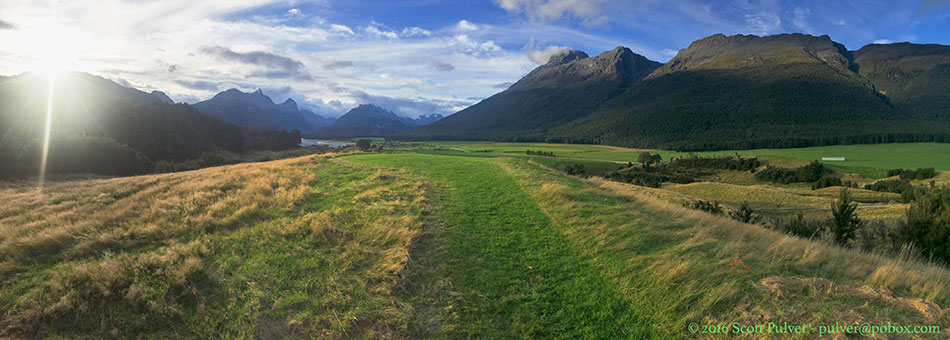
<point x="506" y="272"/>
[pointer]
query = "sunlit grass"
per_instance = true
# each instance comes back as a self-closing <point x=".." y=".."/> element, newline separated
<point x="290" y="248"/>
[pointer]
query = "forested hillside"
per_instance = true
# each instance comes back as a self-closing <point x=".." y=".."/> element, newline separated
<point x="723" y="92"/>
<point x="100" y="127"/>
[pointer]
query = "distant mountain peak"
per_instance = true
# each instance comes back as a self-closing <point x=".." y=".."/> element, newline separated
<point x="564" y="58"/>
<point x="739" y="51"/>
<point x="162" y="96"/>
<point x="255" y="109"/>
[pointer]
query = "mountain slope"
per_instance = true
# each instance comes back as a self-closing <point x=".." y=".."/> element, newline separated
<point x="259" y="111"/>
<point x="739" y="92"/>
<point x="915" y="77"/>
<point x="98" y="126"/>
<point x="569" y="86"/>
<point x="162" y="97"/>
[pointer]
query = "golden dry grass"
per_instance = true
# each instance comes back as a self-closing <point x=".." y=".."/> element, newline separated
<point x="675" y="261"/>
<point x="163" y="253"/>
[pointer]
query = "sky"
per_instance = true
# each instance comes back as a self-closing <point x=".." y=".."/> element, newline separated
<point x="412" y="57"/>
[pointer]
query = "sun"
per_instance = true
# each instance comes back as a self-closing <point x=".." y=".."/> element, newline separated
<point x="48" y="47"/>
<point x="52" y="65"/>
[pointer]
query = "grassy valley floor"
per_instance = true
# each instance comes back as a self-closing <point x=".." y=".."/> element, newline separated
<point x="421" y="244"/>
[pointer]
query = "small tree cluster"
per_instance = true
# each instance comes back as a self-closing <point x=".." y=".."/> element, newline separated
<point x="812" y="172"/>
<point x="920" y="173"/>
<point x="647" y="159"/>
<point x="364" y="144"/>
<point x="723" y="163"/>
<point x="539" y="153"/>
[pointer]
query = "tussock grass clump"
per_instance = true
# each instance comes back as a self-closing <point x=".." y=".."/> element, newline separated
<point x="277" y="249"/>
<point x="674" y="261"/>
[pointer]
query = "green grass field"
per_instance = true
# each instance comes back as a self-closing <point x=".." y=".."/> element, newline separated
<point x="869" y="160"/>
<point x="425" y="243"/>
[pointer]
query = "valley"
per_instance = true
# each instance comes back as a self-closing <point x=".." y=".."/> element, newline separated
<point x="429" y="240"/>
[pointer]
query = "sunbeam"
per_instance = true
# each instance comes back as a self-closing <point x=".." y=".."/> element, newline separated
<point x="46" y="132"/>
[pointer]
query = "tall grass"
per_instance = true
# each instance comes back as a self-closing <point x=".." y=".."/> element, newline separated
<point x="675" y="262"/>
<point x="287" y="248"/>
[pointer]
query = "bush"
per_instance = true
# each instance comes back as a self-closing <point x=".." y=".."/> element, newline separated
<point x="575" y="170"/>
<point x="801" y="227"/>
<point x="745" y="214"/>
<point x="539" y="153"/>
<point x="364" y="144"/>
<point x="920" y="173"/>
<point x="812" y="172"/>
<point x="891" y="185"/>
<point x="710" y="207"/>
<point x="826" y="181"/>
<point x="844" y="222"/>
<point x="723" y="163"/>
<point x="928" y="223"/>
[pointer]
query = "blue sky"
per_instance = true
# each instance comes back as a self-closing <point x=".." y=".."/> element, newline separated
<point x="413" y="57"/>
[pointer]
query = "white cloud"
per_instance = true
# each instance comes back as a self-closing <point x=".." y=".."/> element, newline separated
<point x="341" y="29"/>
<point x="374" y="31"/>
<point x="762" y="23"/>
<point x="293" y="11"/>
<point x="589" y="11"/>
<point x="465" y="26"/>
<point x="473" y="46"/>
<point x="800" y="19"/>
<point x="883" y="41"/>
<point x="542" y="56"/>
<point x="415" y="31"/>
<point x="325" y="65"/>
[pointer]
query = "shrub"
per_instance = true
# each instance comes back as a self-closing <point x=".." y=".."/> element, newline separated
<point x="891" y="185"/>
<point x="539" y="153"/>
<point x="710" y="207"/>
<point x="575" y="170"/>
<point x="928" y="223"/>
<point x="920" y="173"/>
<point x="844" y="221"/>
<point x="646" y="159"/>
<point x="799" y="226"/>
<point x="364" y="144"/>
<point x="826" y="181"/>
<point x="723" y="163"/>
<point x="745" y="214"/>
<point x="812" y="172"/>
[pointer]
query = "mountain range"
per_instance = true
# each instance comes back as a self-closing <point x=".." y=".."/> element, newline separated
<point x="740" y="91"/>
<point x="368" y="120"/>
<point x="257" y="110"/>
<point x="98" y="126"/>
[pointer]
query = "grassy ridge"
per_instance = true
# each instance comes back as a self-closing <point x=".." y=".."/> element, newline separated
<point x="674" y="262"/>
<point x="511" y="274"/>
